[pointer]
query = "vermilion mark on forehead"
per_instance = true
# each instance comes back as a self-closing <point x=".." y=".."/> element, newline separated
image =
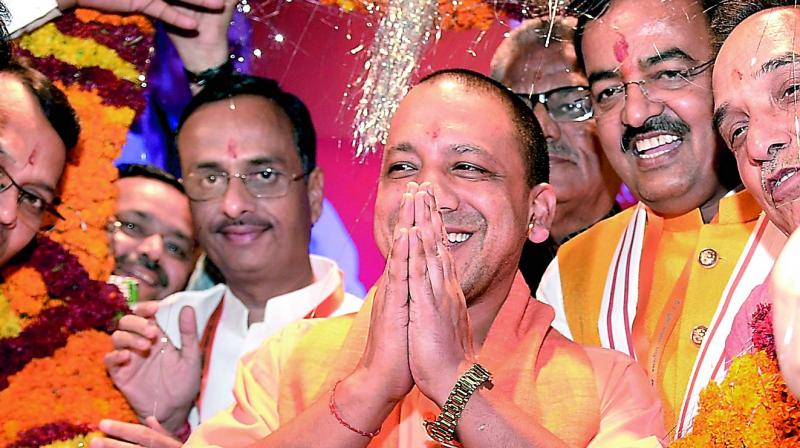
<point x="32" y="157"/>
<point x="433" y="133"/>
<point x="621" y="49"/>
<point x="232" y="151"/>
<point x="738" y="74"/>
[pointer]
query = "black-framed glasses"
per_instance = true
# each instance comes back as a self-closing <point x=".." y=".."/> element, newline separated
<point x="569" y="103"/>
<point x="660" y="84"/>
<point x="205" y="185"/>
<point x="139" y="227"/>
<point x="32" y="207"/>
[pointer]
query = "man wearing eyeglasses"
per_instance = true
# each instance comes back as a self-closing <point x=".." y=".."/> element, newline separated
<point x="247" y="152"/>
<point x="38" y="127"/>
<point x="151" y="233"/>
<point x="537" y="61"/>
<point x="663" y="280"/>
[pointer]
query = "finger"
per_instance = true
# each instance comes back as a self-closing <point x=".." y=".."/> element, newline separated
<point x="190" y="341"/>
<point x="154" y="424"/>
<point x="419" y="208"/>
<point x="125" y="340"/>
<point x="133" y="434"/>
<point x="418" y="283"/>
<point x="411" y="189"/>
<point x="431" y="248"/>
<point x="397" y="274"/>
<point x="147" y="309"/>
<point x="145" y="328"/>
<point x="115" y="359"/>
<point x="436" y="217"/>
<point x="105" y="442"/>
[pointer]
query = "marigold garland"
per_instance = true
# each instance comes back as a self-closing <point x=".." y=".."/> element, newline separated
<point x="456" y="15"/>
<point x="752" y="407"/>
<point x="58" y="395"/>
<point x="79" y="52"/>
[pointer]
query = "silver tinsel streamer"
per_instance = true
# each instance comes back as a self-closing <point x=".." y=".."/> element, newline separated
<point x="402" y="35"/>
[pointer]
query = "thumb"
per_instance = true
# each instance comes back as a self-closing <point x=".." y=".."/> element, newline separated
<point x="152" y="423"/>
<point x="187" y="324"/>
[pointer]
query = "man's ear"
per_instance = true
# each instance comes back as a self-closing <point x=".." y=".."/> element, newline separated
<point x="541" y="212"/>
<point x="316" y="193"/>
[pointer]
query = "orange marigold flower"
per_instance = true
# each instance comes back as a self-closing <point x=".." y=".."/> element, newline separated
<point x="462" y="15"/>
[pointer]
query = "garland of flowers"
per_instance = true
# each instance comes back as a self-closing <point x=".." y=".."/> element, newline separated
<point x="54" y="313"/>
<point x="752" y="407"/>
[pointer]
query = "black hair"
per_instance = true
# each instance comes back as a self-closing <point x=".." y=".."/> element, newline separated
<point x="5" y="44"/>
<point x="53" y="102"/>
<point x="588" y="10"/>
<point x="735" y="12"/>
<point x="149" y="172"/>
<point x="226" y="86"/>
<point x="532" y="143"/>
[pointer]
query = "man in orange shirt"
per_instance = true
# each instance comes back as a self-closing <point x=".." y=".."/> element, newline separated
<point x="457" y="198"/>
<point x="661" y="281"/>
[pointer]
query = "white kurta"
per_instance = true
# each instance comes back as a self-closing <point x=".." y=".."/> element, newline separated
<point x="234" y="338"/>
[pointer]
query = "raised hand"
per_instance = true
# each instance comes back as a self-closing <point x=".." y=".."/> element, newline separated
<point x="439" y="334"/>
<point x="167" y="12"/>
<point x="155" y="377"/>
<point x="386" y="352"/>
<point x="126" y="435"/>
<point x="205" y="46"/>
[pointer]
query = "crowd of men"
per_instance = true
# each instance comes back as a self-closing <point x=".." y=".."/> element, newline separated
<point x="490" y="188"/>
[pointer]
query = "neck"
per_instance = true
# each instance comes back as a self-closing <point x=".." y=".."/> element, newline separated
<point x="483" y="309"/>
<point x="255" y="289"/>
<point x="575" y="215"/>
<point x="711" y="207"/>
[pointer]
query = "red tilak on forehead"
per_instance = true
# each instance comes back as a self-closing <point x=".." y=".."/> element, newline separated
<point x="32" y="157"/>
<point x="232" y="151"/>
<point x="621" y="49"/>
<point x="738" y="74"/>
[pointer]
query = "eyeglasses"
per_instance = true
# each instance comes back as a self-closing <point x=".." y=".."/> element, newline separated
<point x="32" y="206"/>
<point x="140" y="227"/>
<point x="204" y="185"/>
<point x="570" y="103"/>
<point x="660" y="85"/>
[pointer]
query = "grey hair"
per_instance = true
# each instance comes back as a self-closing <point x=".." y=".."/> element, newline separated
<point x="537" y="32"/>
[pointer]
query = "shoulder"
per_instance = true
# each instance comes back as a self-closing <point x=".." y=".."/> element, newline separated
<point x="204" y="303"/>
<point x="597" y="233"/>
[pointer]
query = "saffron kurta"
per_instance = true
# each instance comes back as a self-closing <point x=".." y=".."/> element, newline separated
<point x="682" y="274"/>
<point x="586" y="396"/>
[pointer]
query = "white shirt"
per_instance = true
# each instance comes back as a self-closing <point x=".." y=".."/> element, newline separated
<point x="29" y="14"/>
<point x="234" y="338"/>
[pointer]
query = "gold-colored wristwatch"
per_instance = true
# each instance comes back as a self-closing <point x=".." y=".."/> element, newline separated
<point x="443" y="429"/>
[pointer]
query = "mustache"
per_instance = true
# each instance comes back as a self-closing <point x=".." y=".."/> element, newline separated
<point x="145" y="262"/>
<point x="562" y="150"/>
<point x="244" y="220"/>
<point x="655" y="124"/>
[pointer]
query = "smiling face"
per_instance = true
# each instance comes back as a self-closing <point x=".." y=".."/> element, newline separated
<point x="576" y="161"/>
<point x="33" y="154"/>
<point x="463" y="142"/>
<point x="154" y="243"/>
<point x="662" y="144"/>
<point x="757" y="88"/>
<point x="243" y="235"/>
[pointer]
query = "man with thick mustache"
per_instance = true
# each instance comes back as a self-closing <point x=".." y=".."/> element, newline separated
<point x="663" y="280"/>
<point x="151" y="233"/>
<point x="537" y="61"/>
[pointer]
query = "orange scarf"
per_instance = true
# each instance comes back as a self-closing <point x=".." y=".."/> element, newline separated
<point x="543" y="373"/>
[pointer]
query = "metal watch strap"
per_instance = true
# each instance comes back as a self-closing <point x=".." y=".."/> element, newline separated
<point x="443" y="429"/>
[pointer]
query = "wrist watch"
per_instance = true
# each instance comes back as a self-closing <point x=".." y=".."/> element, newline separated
<point x="443" y="429"/>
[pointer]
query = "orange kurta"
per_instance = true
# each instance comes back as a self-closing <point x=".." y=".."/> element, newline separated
<point x="684" y="269"/>
<point x="588" y="397"/>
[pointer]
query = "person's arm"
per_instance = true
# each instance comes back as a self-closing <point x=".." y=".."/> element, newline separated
<point x="630" y="409"/>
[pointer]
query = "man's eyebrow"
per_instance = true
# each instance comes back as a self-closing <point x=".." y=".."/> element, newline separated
<point x="603" y="75"/>
<point x="720" y="114"/>
<point x="666" y="55"/>
<point x="401" y="147"/>
<point x="208" y="166"/>
<point x="472" y="149"/>
<point x="258" y="161"/>
<point x="773" y="64"/>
